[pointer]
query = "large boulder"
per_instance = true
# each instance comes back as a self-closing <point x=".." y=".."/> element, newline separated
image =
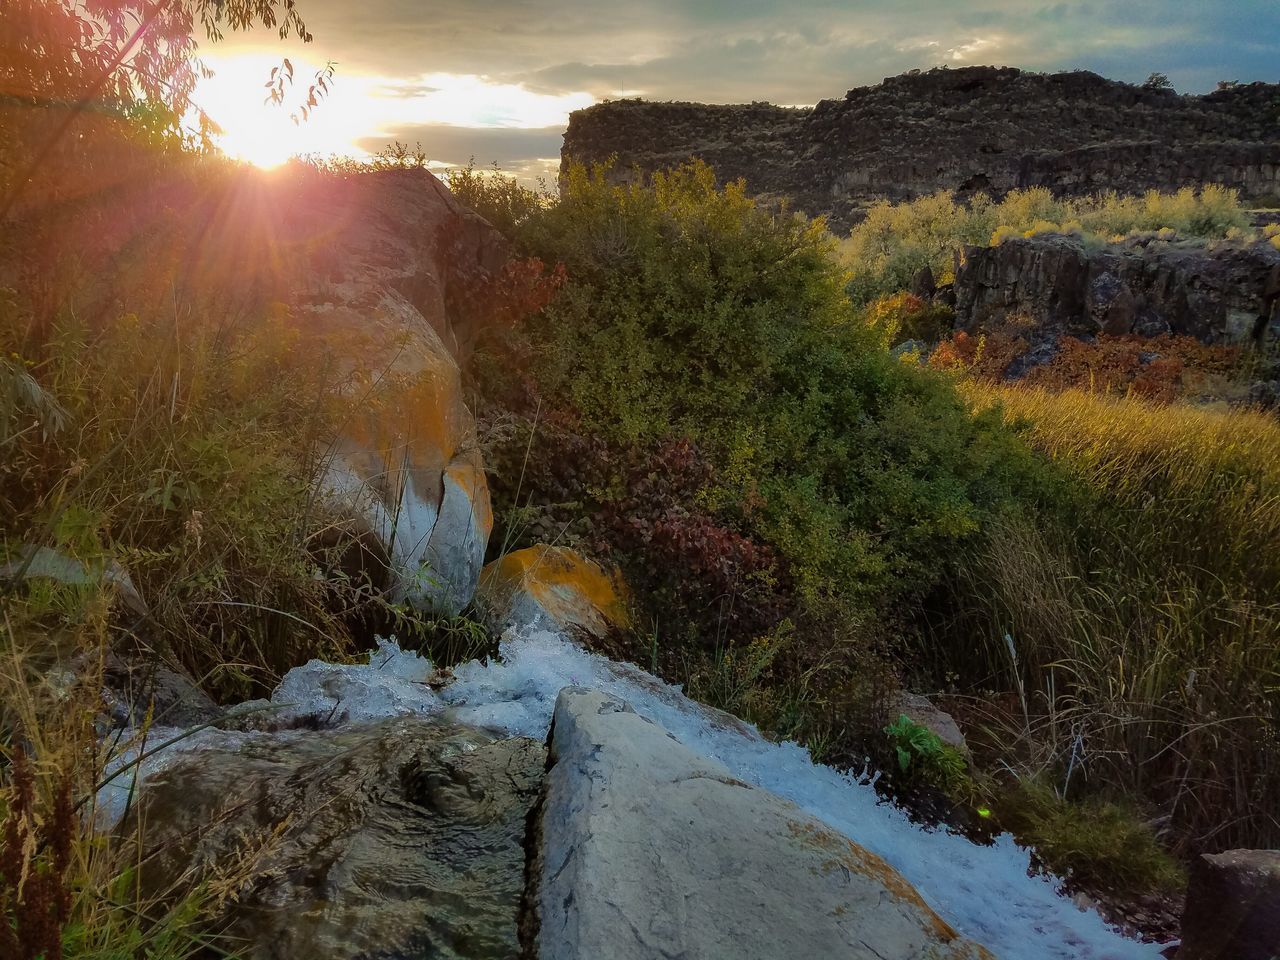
<point x="403" y="838"/>
<point x="553" y="588"/>
<point x="1233" y="907"/>
<point x="384" y="276"/>
<point x="648" y="850"/>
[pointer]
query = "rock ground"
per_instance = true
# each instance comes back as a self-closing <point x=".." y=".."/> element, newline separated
<point x="648" y="850"/>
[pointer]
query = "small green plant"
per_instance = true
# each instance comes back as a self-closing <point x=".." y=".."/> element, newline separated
<point x="445" y="641"/>
<point x="923" y="757"/>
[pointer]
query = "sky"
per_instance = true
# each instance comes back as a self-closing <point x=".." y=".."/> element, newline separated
<point x="497" y="80"/>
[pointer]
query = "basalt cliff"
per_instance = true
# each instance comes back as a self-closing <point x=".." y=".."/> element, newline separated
<point x="989" y="129"/>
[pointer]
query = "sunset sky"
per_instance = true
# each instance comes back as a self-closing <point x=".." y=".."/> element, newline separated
<point x="498" y="80"/>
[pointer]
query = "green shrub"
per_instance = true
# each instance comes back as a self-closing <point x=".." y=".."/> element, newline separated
<point x="500" y="199"/>
<point x="690" y="312"/>
<point x="897" y="240"/>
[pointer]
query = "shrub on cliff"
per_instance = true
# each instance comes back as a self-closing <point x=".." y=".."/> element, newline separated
<point x="895" y="241"/>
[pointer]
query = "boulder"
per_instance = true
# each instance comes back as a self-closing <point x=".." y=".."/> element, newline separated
<point x="378" y="280"/>
<point x="1233" y="907"/>
<point x="134" y="690"/>
<point x="48" y="564"/>
<point x="649" y="850"/>
<point x="403" y="838"/>
<point x="553" y="588"/>
<point x="921" y="710"/>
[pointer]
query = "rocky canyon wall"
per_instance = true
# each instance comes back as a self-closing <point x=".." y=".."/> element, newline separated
<point x="975" y="129"/>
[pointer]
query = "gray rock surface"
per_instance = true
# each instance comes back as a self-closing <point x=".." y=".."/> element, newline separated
<point x="1142" y="286"/>
<point x="136" y="689"/>
<point x="1233" y="907"/>
<point x="648" y="850"/>
<point x="396" y="840"/>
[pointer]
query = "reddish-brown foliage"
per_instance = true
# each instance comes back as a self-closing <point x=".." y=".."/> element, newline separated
<point x="35" y="852"/>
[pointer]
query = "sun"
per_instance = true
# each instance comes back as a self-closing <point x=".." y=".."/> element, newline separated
<point x="260" y="132"/>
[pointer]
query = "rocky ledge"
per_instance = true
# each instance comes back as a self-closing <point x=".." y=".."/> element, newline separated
<point x="1225" y="293"/>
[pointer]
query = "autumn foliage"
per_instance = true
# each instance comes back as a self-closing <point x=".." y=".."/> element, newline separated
<point x="1160" y="369"/>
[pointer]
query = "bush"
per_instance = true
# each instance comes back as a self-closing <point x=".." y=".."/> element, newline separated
<point x="907" y="317"/>
<point x="691" y="313"/>
<point x="500" y="199"/>
<point x="922" y="756"/>
<point x="702" y="404"/>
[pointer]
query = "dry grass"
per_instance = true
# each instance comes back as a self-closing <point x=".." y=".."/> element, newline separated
<point x="69" y="888"/>
<point x="1142" y="622"/>
<point x="183" y="449"/>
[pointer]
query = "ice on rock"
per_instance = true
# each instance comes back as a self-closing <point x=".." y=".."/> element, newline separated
<point x="985" y="892"/>
<point x="391" y="684"/>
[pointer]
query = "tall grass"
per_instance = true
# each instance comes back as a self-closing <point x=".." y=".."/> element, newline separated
<point x="181" y="448"/>
<point x="68" y="887"/>
<point x="1143" y="621"/>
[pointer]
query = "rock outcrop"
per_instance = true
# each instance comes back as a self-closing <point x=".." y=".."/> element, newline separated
<point x="1233" y="907"/>
<point x="384" y="256"/>
<point x="403" y="838"/>
<point x="552" y="588"/>
<point x="1143" y="286"/>
<point x="648" y="850"/>
<point x="974" y="129"/>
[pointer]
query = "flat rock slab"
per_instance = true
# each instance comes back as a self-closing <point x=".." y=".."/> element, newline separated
<point x="396" y="840"/>
<point x="649" y="851"/>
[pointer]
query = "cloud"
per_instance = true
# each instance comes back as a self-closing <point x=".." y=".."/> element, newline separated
<point x="513" y="149"/>
<point x="743" y="50"/>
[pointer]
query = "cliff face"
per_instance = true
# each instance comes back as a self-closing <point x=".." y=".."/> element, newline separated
<point x="1226" y="294"/>
<point x="975" y="129"/>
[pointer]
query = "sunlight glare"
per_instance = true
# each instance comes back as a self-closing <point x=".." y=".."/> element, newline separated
<point x="361" y="108"/>
<point x="262" y="133"/>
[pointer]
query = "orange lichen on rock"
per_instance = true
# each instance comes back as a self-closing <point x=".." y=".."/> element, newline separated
<point x="571" y="590"/>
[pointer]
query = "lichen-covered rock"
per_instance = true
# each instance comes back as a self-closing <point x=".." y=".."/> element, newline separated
<point x="648" y="850"/>
<point x="989" y="129"/>
<point x="388" y="252"/>
<point x="553" y="588"/>
<point x="1233" y="907"/>
<point x="1143" y="286"/>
